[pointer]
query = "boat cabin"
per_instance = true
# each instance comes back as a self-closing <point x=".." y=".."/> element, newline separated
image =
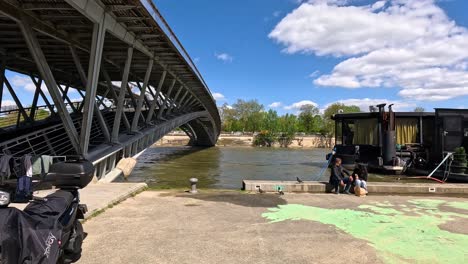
<point x="395" y="141"/>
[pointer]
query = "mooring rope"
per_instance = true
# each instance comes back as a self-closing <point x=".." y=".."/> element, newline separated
<point x="326" y="166"/>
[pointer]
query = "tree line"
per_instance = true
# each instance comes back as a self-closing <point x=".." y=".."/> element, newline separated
<point x="270" y="127"/>
<point x="251" y="116"/>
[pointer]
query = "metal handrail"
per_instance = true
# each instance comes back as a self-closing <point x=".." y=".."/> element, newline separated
<point x="36" y="143"/>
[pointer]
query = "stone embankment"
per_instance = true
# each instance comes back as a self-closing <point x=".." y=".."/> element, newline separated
<point x="228" y="140"/>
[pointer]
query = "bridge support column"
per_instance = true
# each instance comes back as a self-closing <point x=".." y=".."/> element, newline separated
<point x="44" y="69"/>
<point x="32" y="114"/>
<point x="166" y="99"/>
<point x="17" y="101"/>
<point x="136" y="117"/>
<point x="194" y="103"/>
<point x="188" y="103"/>
<point x="149" y="117"/>
<point x="120" y="102"/>
<point x="41" y="93"/>
<point x="110" y="88"/>
<point x="145" y="99"/>
<point x="174" y="102"/>
<point x="94" y="64"/>
<point x="100" y="101"/>
<point x="65" y="97"/>
<point x="91" y="83"/>
<point x="179" y="105"/>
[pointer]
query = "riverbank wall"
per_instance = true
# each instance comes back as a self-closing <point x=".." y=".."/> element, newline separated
<point x="229" y="140"/>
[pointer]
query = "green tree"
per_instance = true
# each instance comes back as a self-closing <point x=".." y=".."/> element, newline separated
<point x="317" y="124"/>
<point x="419" y="109"/>
<point x="306" y="118"/>
<point x="270" y="121"/>
<point x="249" y="114"/>
<point x="229" y="118"/>
<point x="288" y="125"/>
<point x="329" y="124"/>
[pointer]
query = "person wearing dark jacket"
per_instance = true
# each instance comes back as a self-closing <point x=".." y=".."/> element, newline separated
<point x="338" y="177"/>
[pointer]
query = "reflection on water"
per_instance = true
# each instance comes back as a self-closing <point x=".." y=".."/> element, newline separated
<point x="226" y="167"/>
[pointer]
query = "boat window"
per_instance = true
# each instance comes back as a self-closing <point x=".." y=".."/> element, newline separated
<point x="428" y="131"/>
<point x="338" y="133"/>
<point x="407" y="130"/>
<point x="366" y="132"/>
<point x="360" y="132"/>
<point x="348" y="132"/>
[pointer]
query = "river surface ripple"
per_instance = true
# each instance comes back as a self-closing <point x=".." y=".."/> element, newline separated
<point x="226" y="167"/>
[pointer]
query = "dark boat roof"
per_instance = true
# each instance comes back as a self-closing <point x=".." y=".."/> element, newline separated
<point x="363" y="115"/>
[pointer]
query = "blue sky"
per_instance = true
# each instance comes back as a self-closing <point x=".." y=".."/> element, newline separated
<point x="286" y="53"/>
<point x="231" y="45"/>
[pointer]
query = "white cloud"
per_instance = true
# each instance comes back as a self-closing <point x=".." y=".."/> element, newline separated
<point x="364" y="103"/>
<point x="25" y="82"/>
<point x="314" y="74"/>
<point x="219" y="96"/>
<point x="298" y="105"/>
<point x="408" y="44"/>
<point x="8" y="103"/>
<point x="78" y="99"/>
<point x="224" y="57"/>
<point x="275" y="105"/>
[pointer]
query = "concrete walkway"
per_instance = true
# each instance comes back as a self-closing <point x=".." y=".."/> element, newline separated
<point x="99" y="196"/>
<point x="233" y="227"/>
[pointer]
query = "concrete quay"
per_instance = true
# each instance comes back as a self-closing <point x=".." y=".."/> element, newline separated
<point x="216" y="226"/>
<point x="373" y="187"/>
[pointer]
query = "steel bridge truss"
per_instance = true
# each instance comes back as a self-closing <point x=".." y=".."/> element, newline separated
<point x="134" y="79"/>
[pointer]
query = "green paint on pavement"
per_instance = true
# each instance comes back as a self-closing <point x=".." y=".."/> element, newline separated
<point x="458" y="205"/>
<point x="406" y="236"/>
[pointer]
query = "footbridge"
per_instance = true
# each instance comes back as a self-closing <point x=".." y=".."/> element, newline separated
<point x="104" y="79"/>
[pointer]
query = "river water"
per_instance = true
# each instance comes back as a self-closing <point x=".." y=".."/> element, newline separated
<point x="226" y="167"/>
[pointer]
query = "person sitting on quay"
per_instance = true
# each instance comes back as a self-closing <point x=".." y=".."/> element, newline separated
<point x="340" y="177"/>
<point x="360" y="179"/>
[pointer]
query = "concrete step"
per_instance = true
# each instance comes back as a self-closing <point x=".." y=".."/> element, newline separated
<point x="373" y="187"/>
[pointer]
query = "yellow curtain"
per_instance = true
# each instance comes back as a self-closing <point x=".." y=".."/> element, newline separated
<point x="406" y="130"/>
<point x="365" y="132"/>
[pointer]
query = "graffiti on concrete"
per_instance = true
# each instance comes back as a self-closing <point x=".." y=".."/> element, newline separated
<point x="400" y="233"/>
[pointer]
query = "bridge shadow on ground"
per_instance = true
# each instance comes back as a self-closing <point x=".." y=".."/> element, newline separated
<point x="237" y="198"/>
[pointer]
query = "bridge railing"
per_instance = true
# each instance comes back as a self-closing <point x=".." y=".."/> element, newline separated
<point x="151" y="8"/>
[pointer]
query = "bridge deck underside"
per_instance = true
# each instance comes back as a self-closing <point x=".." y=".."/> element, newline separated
<point x="128" y="72"/>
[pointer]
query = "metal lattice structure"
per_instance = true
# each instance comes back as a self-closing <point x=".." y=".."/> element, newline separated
<point x="135" y="80"/>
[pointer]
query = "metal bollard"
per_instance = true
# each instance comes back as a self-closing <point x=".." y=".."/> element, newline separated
<point x="193" y="183"/>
